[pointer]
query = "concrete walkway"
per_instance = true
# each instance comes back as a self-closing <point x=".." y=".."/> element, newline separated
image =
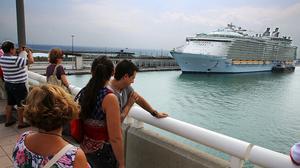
<point x="8" y="138"/>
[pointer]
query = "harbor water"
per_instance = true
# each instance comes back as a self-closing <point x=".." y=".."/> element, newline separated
<point x="260" y="108"/>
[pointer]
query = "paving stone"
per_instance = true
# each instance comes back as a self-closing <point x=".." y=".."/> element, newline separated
<point x="7" y="133"/>
<point x="9" y="140"/>
<point x="5" y="162"/>
<point x="3" y="128"/>
<point x="8" y="149"/>
<point x="10" y="157"/>
<point x="2" y="153"/>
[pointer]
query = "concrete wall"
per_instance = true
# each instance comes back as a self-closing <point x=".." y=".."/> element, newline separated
<point x="146" y="149"/>
<point x="79" y="63"/>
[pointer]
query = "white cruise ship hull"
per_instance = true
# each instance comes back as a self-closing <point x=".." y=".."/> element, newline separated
<point x="199" y="63"/>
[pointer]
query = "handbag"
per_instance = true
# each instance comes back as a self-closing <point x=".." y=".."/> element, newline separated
<point x="52" y="79"/>
<point x="76" y="125"/>
<point x="76" y="129"/>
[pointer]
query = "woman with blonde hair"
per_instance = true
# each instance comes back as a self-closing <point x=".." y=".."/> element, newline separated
<point x="55" y="71"/>
<point x="48" y="108"/>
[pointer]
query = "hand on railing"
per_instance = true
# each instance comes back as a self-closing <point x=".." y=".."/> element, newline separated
<point x="159" y="114"/>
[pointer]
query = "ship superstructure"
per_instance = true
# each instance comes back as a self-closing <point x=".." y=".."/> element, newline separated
<point x="232" y="50"/>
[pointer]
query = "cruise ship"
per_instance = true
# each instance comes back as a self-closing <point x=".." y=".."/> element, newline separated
<point x="233" y="50"/>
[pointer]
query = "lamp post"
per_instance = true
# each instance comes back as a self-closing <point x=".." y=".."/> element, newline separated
<point x="73" y="43"/>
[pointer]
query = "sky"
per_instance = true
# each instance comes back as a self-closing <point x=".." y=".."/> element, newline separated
<point x="148" y="24"/>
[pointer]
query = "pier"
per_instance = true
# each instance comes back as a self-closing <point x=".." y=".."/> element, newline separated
<point x="80" y="63"/>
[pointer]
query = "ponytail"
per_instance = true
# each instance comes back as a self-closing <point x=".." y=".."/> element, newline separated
<point x="102" y="69"/>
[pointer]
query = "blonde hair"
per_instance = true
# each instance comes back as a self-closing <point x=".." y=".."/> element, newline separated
<point x="49" y="107"/>
<point x="54" y="54"/>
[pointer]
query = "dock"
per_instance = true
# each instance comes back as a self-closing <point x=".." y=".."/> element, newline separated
<point x="79" y="64"/>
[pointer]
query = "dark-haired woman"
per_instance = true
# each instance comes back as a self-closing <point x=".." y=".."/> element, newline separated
<point x="102" y="142"/>
<point x="48" y="108"/>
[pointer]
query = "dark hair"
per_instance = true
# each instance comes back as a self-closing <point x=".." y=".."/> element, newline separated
<point x="102" y="70"/>
<point x="54" y="54"/>
<point x="7" y="46"/>
<point x="125" y="67"/>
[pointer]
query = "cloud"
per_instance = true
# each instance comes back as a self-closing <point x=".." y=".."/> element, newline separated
<point x="255" y="19"/>
<point x="134" y="24"/>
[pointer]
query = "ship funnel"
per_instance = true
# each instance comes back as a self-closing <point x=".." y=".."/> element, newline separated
<point x="275" y="33"/>
<point x="267" y="32"/>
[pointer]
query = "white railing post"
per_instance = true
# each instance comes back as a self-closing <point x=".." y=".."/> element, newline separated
<point x="236" y="162"/>
<point x="33" y="82"/>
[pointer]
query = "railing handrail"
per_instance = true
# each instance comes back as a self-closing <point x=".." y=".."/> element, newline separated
<point x="232" y="146"/>
<point x="42" y="79"/>
<point x="194" y="133"/>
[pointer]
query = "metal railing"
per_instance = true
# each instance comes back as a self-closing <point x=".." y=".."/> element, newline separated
<point x="238" y="150"/>
<point x="36" y="79"/>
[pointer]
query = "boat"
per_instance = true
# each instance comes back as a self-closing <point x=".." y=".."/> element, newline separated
<point x="233" y="50"/>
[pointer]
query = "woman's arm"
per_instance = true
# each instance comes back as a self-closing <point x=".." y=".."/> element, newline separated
<point x="80" y="160"/>
<point x="63" y="76"/>
<point x="30" y="59"/>
<point x="64" y="80"/>
<point x="111" y="108"/>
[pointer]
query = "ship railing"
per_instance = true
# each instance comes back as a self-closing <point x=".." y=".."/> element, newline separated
<point x="239" y="150"/>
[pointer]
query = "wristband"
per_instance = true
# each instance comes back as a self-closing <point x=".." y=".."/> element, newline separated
<point x="154" y="113"/>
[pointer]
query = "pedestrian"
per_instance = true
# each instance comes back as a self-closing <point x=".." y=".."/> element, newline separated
<point x="124" y="76"/>
<point x="48" y="108"/>
<point x="2" y="85"/>
<point x="15" y="77"/>
<point x="55" y="72"/>
<point x="100" y="113"/>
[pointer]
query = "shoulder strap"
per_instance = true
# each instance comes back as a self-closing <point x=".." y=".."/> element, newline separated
<point x="78" y="94"/>
<point x="55" y="69"/>
<point x="58" y="156"/>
